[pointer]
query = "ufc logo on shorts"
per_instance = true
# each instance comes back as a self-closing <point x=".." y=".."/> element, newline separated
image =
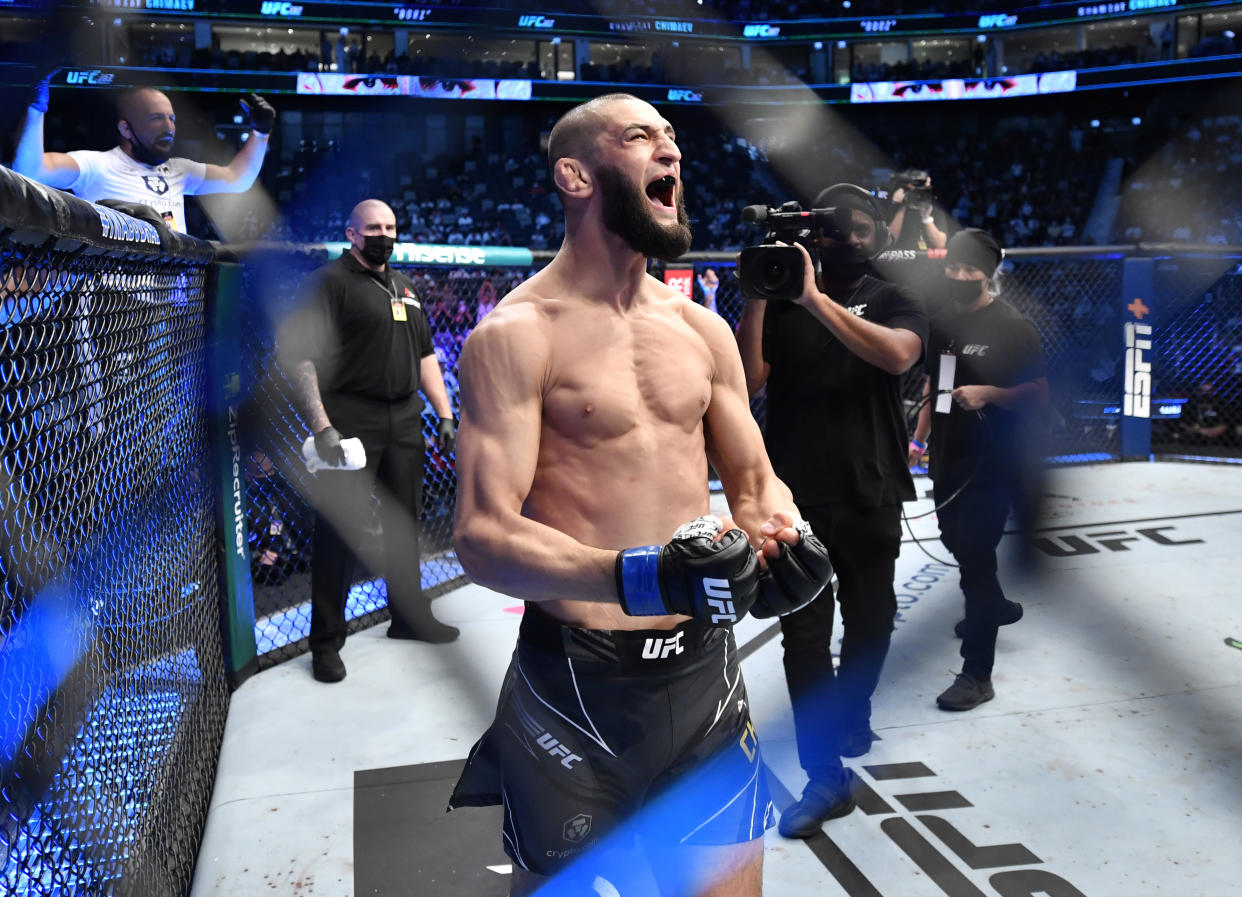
<point x="556" y="749"/>
<point x="720" y="598"/>
<point x="659" y="648"/>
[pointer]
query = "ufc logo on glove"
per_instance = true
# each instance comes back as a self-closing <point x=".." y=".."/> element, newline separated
<point x="720" y="599"/>
<point x="669" y="579"/>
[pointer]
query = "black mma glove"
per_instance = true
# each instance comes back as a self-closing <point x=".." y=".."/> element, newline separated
<point x="713" y="581"/>
<point x="41" y="92"/>
<point x="143" y="213"/>
<point x="795" y="577"/>
<point x="446" y="435"/>
<point x="328" y="447"/>
<point x="261" y="113"/>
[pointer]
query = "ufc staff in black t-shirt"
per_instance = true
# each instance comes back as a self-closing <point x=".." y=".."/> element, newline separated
<point x="985" y="369"/>
<point x="358" y="350"/>
<point x="832" y="361"/>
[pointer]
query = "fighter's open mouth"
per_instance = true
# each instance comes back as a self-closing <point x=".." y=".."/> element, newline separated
<point x="664" y="190"/>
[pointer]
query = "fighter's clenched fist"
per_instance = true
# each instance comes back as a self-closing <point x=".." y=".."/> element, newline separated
<point x="707" y="571"/>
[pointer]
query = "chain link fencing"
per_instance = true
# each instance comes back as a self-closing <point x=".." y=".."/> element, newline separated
<point x="113" y="694"/>
<point x="1072" y="296"/>
<point x="1073" y="300"/>
<point x="1197" y="369"/>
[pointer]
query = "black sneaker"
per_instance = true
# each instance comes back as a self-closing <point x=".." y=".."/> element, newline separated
<point x="857" y="742"/>
<point x="965" y="693"/>
<point x="819" y="803"/>
<point x="326" y="666"/>
<point x="1011" y="614"/>
<point x="428" y="629"/>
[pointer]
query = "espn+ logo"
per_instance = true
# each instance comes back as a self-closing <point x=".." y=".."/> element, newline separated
<point x="1137" y="402"/>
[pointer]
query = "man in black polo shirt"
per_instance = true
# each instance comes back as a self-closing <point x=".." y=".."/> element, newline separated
<point x="358" y="350"/>
<point x="986" y="369"/>
<point x="836" y="433"/>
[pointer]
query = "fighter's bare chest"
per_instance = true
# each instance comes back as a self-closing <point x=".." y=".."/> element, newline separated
<point x="607" y="383"/>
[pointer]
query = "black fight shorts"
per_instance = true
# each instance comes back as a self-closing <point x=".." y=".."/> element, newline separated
<point x="603" y="738"/>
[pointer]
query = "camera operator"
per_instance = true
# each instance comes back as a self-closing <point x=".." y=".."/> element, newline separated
<point x="832" y="360"/>
<point x="913" y="222"/>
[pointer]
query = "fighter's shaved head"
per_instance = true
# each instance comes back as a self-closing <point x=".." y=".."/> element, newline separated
<point x="574" y="132"/>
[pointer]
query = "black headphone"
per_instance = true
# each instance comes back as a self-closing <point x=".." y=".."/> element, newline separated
<point x="863" y="200"/>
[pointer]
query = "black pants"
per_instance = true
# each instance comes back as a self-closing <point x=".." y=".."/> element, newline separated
<point x="343" y="511"/>
<point x="863" y="544"/>
<point x="970" y="527"/>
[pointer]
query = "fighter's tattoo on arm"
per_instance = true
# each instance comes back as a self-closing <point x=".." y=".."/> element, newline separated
<point x="306" y="386"/>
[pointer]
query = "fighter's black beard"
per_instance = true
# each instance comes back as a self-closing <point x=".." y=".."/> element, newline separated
<point x="148" y="155"/>
<point x="626" y="214"/>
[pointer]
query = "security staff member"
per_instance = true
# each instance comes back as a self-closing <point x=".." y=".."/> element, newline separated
<point x="832" y="361"/>
<point x="358" y="350"/>
<point x="986" y="368"/>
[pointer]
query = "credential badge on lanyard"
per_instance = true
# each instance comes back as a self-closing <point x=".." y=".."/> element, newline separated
<point x="398" y="307"/>
<point x="944" y="388"/>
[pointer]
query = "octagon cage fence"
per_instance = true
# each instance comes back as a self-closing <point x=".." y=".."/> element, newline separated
<point x="154" y="535"/>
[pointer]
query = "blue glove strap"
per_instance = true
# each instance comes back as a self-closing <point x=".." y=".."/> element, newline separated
<point x="640" y="581"/>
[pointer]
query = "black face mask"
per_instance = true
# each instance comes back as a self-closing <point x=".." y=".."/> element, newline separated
<point x="148" y="155"/>
<point x="843" y="263"/>
<point x="963" y="293"/>
<point x="627" y="215"/>
<point x="377" y="248"/>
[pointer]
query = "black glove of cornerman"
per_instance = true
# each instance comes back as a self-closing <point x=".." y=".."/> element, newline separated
<point x="446" y="435"/>
<point x="142" y="212"/>
<point x="713" y="580"/>
<point x="795" y="578"/>
<point x="41" y="91"/>
<point x="328" y="447"/>
<point x="261" y="113"/>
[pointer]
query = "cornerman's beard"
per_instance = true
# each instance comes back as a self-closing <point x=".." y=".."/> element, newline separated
<point x="148" y="155"/>
<point x="627" y="214"/>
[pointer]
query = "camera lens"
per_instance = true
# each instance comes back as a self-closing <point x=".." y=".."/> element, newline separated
<point x="773" y="275"/>
<point x="771" y="272"/>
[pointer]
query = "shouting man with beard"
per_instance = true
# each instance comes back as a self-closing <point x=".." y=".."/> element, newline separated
<point x="592" y="398"/>
<point x="142" y="169"/>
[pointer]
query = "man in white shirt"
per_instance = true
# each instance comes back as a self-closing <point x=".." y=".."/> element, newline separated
<point x="142" y="168"/>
